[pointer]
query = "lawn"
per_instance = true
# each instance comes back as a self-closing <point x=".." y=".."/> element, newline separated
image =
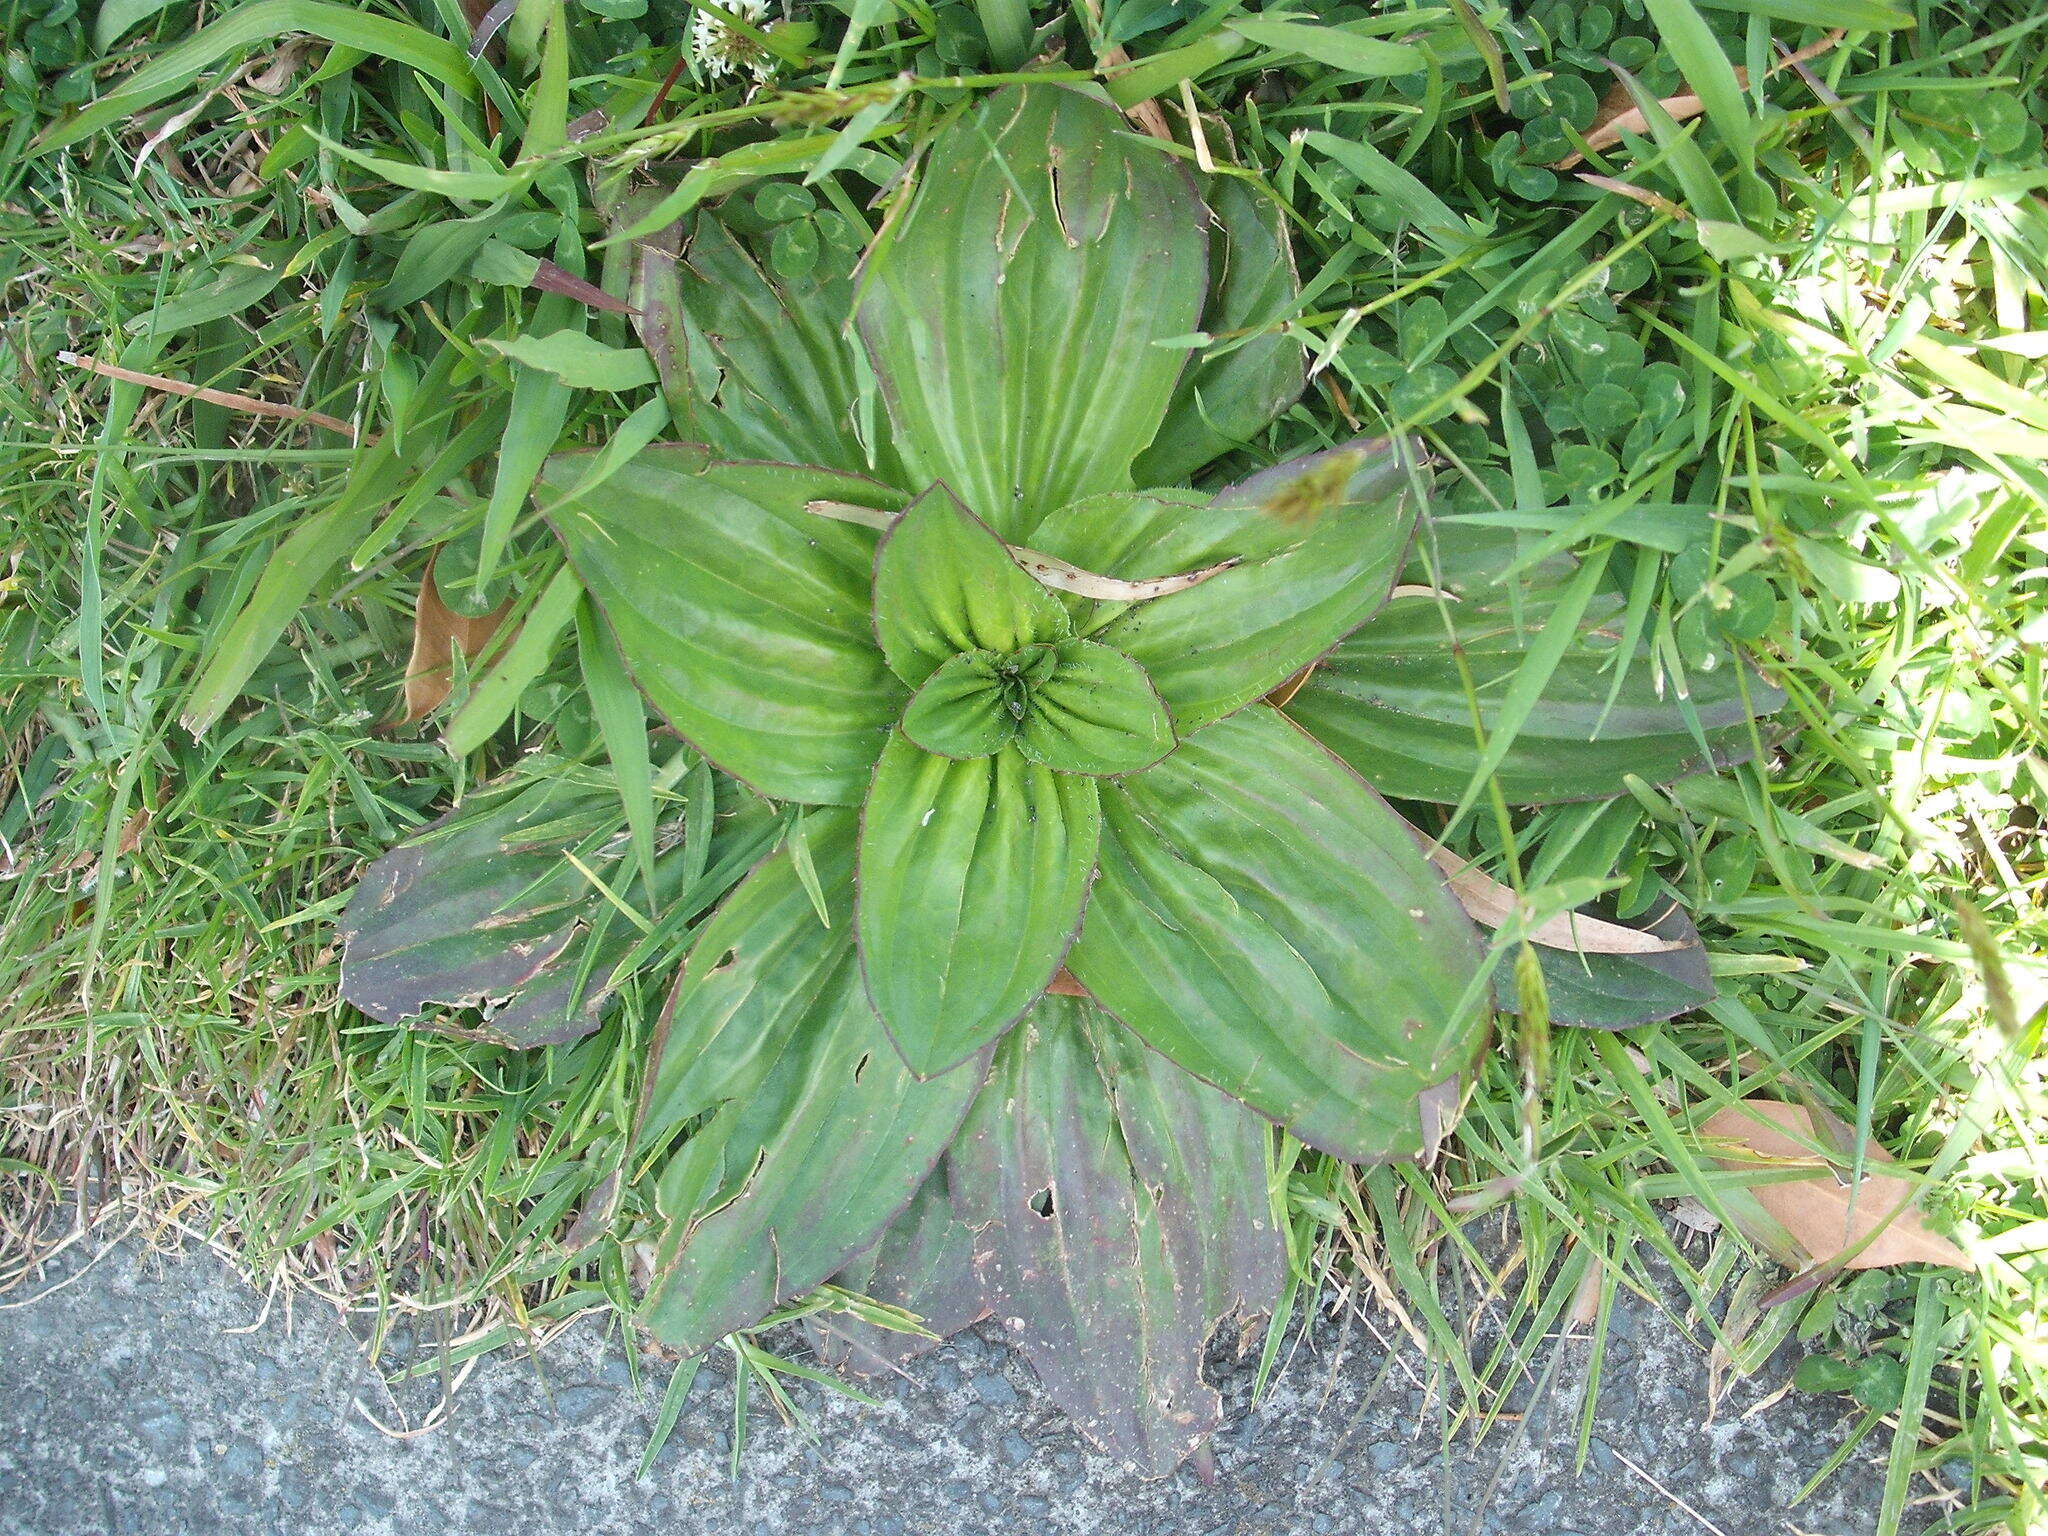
<point x="1744" y="303"/>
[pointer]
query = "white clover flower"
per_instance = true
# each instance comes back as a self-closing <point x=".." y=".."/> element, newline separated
<point x="719" y="50"/>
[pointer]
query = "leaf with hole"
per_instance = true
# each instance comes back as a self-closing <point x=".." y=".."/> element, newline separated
<point x="1120" y="1214"/>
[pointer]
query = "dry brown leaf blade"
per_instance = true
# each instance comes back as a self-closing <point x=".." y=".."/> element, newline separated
<point x="221" y="397"/>
<point x="1617" y="114"/>
<point x="1490" y="904"/>
<point x="1828" y="1217"/>
<point x="437" y="632"/>
<point x="1066" y="984"/>
<point x="1280" y="697"/>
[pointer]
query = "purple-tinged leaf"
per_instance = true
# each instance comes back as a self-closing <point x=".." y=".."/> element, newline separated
<point x="923" y="1265"/>
<point x="549" y="278"/>
<point x="1618" y="991"/>
<point x="1120" y="1213"/>
<point x="485" y="910"/>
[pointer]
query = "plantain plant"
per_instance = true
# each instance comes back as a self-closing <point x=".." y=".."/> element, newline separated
<point x="1082" y="879"/>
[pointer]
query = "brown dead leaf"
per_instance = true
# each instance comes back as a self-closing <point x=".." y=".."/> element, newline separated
<point x="1634" y="193"/>
<point x="1617" y="113"/>
<point x="1066" y="984"/>
<point x="271" y="75"/>
<point x="436" y="628"/>
<point x="1282" y="696"/>
<point x="1825" y="1215"/>
<point x="1584" y="1311"/>
<point x="1489" y="903"/>
<point x="132" y="830"/>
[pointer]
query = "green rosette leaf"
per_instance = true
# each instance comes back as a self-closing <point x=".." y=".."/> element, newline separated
<point x="1227" y="398"/>
<point x="972" y="879"/>
<point x="1595" y="990"/>
<point x="1395" y="703"/>
<point x="1097" y="712"/>
<point x="1263" y="919"/>
<point x="817" y="1135"/>
<point x="754" y="365"/>
<point x="743" y="618"/>
<point x="965" y="708"/>
<point x="1313" y="547"/>
<point x="1011" y="309"/>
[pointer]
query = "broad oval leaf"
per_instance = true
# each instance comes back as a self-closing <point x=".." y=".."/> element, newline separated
<point x="484" y="910"/>
<point x="1011" y="309"/>
<point x="743" y="618"/>
<point x="1227" y="399"/>
<point x="1318" y="541"/>
<point x="1120" y="1212"/>
<point x="1264" y="920"/>
<point x="819" y="1137"/>
<point x="1394" y="704"/>
<point x="945" y="584"/>
<point x="1096" y="713"/>
<point x="972" y="880"/>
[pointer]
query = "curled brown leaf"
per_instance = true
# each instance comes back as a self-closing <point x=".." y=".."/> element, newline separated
<point x="1861" y="1225"/>
<point x="1047" y="570"/>
<point x="248" y="404"/>
<point x="438" y="631"/>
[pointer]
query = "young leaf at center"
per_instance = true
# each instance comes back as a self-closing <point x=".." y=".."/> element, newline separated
<point x="945" y="584"/>
<point x="1097" y="713"/>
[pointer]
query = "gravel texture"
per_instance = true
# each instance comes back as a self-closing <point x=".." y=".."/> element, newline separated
<point x="144" y="1396"/>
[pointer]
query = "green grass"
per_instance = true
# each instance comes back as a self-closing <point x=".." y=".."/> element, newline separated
<point x="1789" y="379"/>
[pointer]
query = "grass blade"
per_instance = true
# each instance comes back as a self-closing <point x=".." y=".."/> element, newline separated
<point x="178" y="67"/>
<point x="622" y="720"/>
